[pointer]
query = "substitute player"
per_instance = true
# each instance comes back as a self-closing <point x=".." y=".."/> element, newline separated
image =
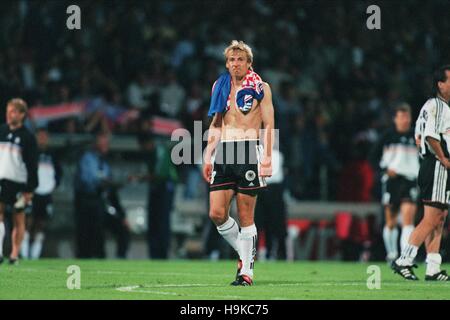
<point x="433" y="180"/>
<point x="235" y="161"/>
<point x="18" y="172"/>
<point x="398" y="159"/>
<point x="49" y="174"/>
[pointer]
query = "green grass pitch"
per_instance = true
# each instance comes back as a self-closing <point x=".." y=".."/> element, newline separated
<point x="198" y="280"/>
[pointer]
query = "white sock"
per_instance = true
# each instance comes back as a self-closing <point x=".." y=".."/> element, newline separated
<point x="2" y="236"/>
<point x="25" y="247"/>
<point x="387" y="239"/>
<point x="36" y="247"/>
<point x="394" y="241"/>
<point x="433" y="261"/>
<point x="390" y="237"/>
<point x="408" y="255"/>
<point x="247" y="248"/>
<point x="230" y="231"/>
<point x="406" y="233"/>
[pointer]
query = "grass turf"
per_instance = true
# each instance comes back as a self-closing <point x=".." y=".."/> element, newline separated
<point x="198" y="280"/>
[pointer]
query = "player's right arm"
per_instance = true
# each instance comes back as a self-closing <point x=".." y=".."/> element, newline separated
<point x="418" y="129"/>
<point x="214" y="134"/>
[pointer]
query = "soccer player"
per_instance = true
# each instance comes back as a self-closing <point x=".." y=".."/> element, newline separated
<point x="49" y="173"/>
<point x="400" y="166"/>
<point x="433" y="180"/>
<point x="18" y="172"/>
<point x="235" y="162"/>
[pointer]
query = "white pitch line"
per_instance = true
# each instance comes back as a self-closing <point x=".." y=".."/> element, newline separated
<point x="136" y="289"/>
<point x="183" y="285"/>
<point x="133" y="288"/>
<point x="19" y="269"/>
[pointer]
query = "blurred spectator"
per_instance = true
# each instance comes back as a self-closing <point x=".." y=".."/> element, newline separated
<point x="162" y="177"/>
<point x="184" y="48"/>
<point x="93" y="188"/>
<point x="278" y="74"/>
<point x="270" y="212"/>
<point x="287" y="108"/>
<point x="172" y="96"/>
<point x="138" y="92"/>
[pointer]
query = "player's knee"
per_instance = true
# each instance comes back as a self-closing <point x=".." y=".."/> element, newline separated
<point x="217" y="215"/>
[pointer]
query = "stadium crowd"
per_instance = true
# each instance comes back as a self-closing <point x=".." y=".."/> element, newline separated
<point x="334" y="80"/>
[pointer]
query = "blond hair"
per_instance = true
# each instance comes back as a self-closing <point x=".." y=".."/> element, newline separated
<point x="239" y="45"/>
<point x="19" y="104"/>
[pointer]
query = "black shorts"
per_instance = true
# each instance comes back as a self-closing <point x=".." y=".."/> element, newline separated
<point x="10" y="192"/>
<point x="397" y="190"/>
<point x="42" y="206"/>
<point x="236" y="166"/>
<point x="433" y="182"/>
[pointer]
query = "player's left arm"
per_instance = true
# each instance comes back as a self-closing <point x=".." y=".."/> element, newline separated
<point x="376" y="153"/>
<point x="267" y="115"/>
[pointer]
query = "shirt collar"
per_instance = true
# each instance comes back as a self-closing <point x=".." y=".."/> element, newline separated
<point x="439" y="97"/>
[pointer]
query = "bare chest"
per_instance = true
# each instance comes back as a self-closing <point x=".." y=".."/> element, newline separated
<point x="234" y="118"/>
